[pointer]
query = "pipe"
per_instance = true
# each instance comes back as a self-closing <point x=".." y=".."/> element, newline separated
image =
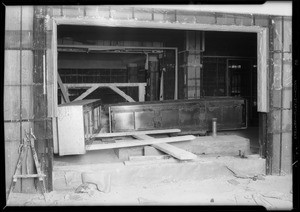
<point x="214" y="127"/>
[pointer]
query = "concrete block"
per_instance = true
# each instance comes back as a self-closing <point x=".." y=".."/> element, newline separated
<point x="205" y="18"/>
<point x="164" y="15"/>
<point x="287" y="34"/>
<point x="224" y="19"/>
<point x="12" y="131"/>
<point x="56" y="11"/>
<point x="277" y="71"/>
<point x="244" y="20"/>
<point x="287" y="98"/>
<point x="123" y="13"/>
<point x="275" y="121"/>
<point x="277" y="33"/>
<point x="287" y="70"/>
<point x="275" y="155"/>
<point x="286" y="153"/>
<point x="262" y="21"/>
<point x="11" y="102"/>
<point x="143" y="14"/>
<point x="149" y="150"/>
<point x="73" y="11"/>
<point x="124" y="153"/>
<point x="27" y="18"/>
<point x="287" y="124"/>
<point x="97" y="11"/>
<point x="186" y="17"/>
<point x="276" y="98"/>
<point x="12" y="17"/>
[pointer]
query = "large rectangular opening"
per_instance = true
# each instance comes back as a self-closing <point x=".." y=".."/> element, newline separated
<point x="151" y="59"/>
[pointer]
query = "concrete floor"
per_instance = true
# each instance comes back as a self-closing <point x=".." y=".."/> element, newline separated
<point x="106" y="156"/>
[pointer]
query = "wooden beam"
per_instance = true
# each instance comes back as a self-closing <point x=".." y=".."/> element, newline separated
<point x="118" y="134"/>
<point x="63" y="89"/>
<point x="87" y="92"/>
<point x="142" y="91"/>
<point x="121" y="93"/>
<point x="171" y="150"/>
<point x="86" y="85"/>
<point x="131" y="143"/>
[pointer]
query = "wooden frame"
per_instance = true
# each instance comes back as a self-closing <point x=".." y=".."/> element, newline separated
<point x="262" y="46"/>
<point x="113" y="86"/>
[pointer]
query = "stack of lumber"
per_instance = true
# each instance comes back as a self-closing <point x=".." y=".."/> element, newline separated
<point x="142" y="138"/>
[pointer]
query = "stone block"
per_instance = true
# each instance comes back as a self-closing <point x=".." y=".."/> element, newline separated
<point x="287" y="98"/>
<point x="287" y="70"/>
<point x="286" y="153"/>
<point x="205" y="18"/>
<point x="287" y="123"/>
<point x="73" y="11"/>
<point x="276" y="98"/>
<point x="287" y="34"/>
<point x="224" y="19"/>
<point x="262" y="21"/>
<point x="121" y="13"/>
<point x="186" y="17"/>
<point x="277" y="71"/>
<point x="143" y="14"/>
<point x="244" y="20"/>
<point x="277" y="33"/>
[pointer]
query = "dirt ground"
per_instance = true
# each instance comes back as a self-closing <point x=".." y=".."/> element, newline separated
<point x="272" y="192"/>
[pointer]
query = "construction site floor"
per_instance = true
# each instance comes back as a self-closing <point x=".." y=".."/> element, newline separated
<point x="273" y="192"/>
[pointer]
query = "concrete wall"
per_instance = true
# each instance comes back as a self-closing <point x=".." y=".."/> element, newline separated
<point x="28" y="33"/>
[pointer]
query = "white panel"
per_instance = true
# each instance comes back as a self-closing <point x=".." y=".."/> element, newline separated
<point x="71" y="130"/>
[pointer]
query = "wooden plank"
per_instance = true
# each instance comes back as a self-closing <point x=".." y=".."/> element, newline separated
<point x="142" y="90"/>
<point x="118" y="134"/>
<point x="87" y="92"/>
<point x="172" y="150"/>
<point x="121" y="93"/>
<point x="131" y="143"/>
<point x="63" y="89"/>
<point x="85" y="85"/>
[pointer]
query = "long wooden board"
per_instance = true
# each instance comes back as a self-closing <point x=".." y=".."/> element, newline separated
<point x="146" y="132"/>
<point x="131" y="143"/>
<point x="171" y="150"/>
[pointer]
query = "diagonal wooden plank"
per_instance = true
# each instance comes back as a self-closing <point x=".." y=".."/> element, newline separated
<point x="87" y="92"/>
<point x="63" y="89"/>
<point x="131" y="143"/>
<point x="121" y="93"/>
<point x="170" y="149"/>
<point x="118" y="134"/>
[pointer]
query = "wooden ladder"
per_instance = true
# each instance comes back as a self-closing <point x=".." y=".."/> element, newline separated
<point x="27" y="143"/>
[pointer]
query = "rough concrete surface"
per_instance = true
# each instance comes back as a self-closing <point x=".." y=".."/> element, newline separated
<point x="272" y="192"/>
